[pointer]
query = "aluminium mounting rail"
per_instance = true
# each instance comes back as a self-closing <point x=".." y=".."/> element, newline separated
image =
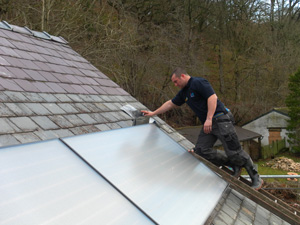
<point x="261" y="197"/>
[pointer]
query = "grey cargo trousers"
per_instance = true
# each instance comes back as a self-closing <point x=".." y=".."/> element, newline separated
<point x="222" y="129"/>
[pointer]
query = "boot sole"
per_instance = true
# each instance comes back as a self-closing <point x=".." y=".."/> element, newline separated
<point x="261" y="184"/>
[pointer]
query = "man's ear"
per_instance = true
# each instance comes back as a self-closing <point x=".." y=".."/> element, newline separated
<point x="182" y="75"/>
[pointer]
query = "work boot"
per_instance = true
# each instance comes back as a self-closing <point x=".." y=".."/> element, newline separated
<point x="257" y="182"/>
<point x="237" y="170"/>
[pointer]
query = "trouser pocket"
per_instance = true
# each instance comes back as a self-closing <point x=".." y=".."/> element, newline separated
<point x="228" y="134"/>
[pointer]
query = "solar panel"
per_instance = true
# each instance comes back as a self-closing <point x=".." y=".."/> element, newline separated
<point x="154" y="171"/>
<point x="46" y="183"/>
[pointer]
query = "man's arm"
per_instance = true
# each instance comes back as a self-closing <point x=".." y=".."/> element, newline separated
<point x="164" y="108"/>
<point x="211" y="108"/>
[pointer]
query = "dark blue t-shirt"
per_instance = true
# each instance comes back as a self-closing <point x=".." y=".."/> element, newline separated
<point x="195" y="94"/>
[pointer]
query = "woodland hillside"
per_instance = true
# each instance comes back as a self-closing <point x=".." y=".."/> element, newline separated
<point x="247" y="49"/>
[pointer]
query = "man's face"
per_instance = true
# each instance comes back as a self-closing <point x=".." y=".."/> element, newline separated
<point x="178" y="81"/>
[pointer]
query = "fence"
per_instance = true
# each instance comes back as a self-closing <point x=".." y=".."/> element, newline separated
<point x="272" y="149"/>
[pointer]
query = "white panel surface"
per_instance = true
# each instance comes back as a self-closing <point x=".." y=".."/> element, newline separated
<point x="46" y="183"/>
<point x="161" y="177"/>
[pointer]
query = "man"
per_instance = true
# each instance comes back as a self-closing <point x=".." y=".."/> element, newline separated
<point x="217" y="123"/>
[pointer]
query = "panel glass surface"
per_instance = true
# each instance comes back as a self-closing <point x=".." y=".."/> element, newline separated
<point x="154" y="171"/>
<point x="46" y="183"/>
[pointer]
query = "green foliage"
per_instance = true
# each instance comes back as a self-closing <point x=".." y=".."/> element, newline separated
<point x="293" y="103"/>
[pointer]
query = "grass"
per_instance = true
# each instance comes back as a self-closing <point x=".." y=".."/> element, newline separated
<point x="265" y="170"/>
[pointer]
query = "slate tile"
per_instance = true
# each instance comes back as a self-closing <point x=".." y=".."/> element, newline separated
<point x="4" y="97"/>
<point x="37" y="57"/>
<point x="63" y="98"/>
<point x="42" y="66"/>
<point x="10" y="85"/>
<point x="1" y="88"/>
<point x="87" y="118"/>
<point x="56" y="88"/>
<point x="26" y="137"/>
<point x="218" y="221"/>
<point x="27" y="85"/>
<point x="88" y="73"/>
<point x="91" y="81"/>
<point x="109" y="117"/>
<point x="98" y="117"/>
<point x="122" y="91"/>
<point x="48" y="97"/>
<point x="11" y="61"/>
<point x="63" y="133"/>
<point x="24" y="54"/>
<point x="76" y="71"/>
<point x="106" y="82"/>
<point x="58" y="69"/>
<point x="4" y="62"/>
<point x="53" y="108"/>
<point x="73" y="79"/>
<point x="86" y="98"/>
<point x="226" y="218"/>
<point x="92" y="107"/>
<point x="75" y="120"/>
<point x="24" y="123"/>
<point x="19" y="73"/>
<point x="67" y="108"/>
<point x="46" y="134"/>
<point x="99" y="90"/>
<point x="33" y="97"/>
<point x="8" y="51"/>
<point x="38" y="108"/>
<point x="16" y="96"/>
<point x="49" y="76"/>
<point x="113" y="126"/>
<point x="101" y="107"/>
<point x="79" y="89"/>
<point x="111" y="106"/>
<point x="111" y="90"/>
<point x="29" y="64"/>
<point x="19" y="109"/>
<point x="43" y="87"/>
<point x="68" y="88"/>
<point x="91" y="128"/>
<point x="96" y="98"/>
<point x="61" y="78"/>
<point x="78" y="130"/>
<point x="7" y="140"/>
<point x="89" y="89"/>
<point x="102" y="127"/>
<point x="124" y="124"/>
<point x="75" y="98"/>
<point x="44" y="122"/>
<point x="5" y="72"/>
<point x="5" y="42"/>
<point x="60" y="121"/>
<point x="35" y="75"/>
<point x="6" y="127"/>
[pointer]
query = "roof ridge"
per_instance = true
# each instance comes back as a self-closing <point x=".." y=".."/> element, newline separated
<point x="25" y="30"/>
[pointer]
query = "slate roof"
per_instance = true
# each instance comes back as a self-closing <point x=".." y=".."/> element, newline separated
<point x="47" y="91"/>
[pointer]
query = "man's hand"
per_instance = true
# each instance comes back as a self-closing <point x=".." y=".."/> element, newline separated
<point x="147" y="113"/>
<point x="207" y="127"/>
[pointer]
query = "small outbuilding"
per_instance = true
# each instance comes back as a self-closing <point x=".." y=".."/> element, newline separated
<point x="271" y="125"/>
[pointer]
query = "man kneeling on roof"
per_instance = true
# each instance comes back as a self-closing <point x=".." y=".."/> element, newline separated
<point x="218" y="123"/>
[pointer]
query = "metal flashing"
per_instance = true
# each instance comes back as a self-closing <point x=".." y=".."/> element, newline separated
<point x="22" y="30"/>
<point x="5" y="25"/>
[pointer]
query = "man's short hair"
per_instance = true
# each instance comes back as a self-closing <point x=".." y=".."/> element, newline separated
<point x="178" y="71"/>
